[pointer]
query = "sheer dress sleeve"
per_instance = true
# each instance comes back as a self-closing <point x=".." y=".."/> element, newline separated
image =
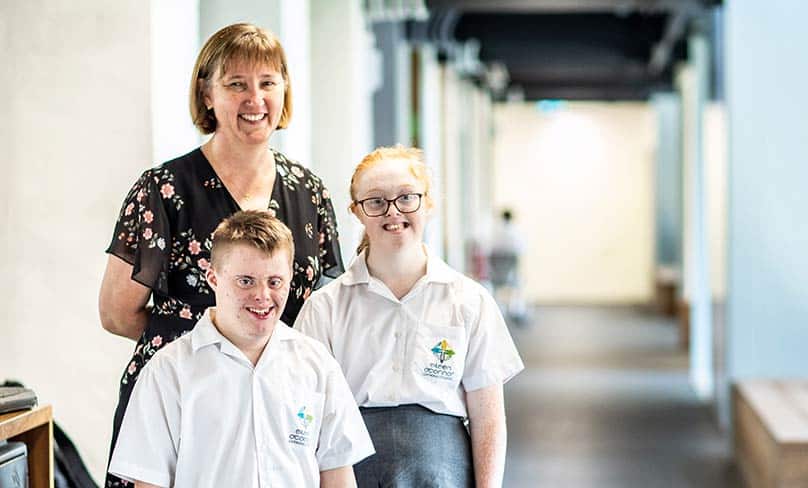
<point x="330" y="254"/>
<point x="142" y="233"/>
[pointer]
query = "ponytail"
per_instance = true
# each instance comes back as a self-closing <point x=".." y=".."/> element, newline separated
<point x="364" y="244"/>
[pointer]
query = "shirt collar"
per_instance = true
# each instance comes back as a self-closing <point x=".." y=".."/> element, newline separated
<point x="437" y="271"/>
<point x="205" y="333"/>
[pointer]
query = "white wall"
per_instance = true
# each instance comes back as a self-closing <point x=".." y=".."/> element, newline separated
<point x="346" y="74"/>
<point x="767" y="289"/>
<point x="76" y="133"/>
<point x="581" y="183"/>
<point x="174" y="46"/>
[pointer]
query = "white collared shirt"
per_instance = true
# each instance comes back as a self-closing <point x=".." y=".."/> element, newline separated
<point x="201" y="415"/>
<point x="443" y="338"/>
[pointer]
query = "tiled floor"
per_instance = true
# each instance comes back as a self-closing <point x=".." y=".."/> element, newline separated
<point x="604" y="401"/>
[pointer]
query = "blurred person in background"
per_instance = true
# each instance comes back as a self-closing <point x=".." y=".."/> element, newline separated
<point x="160" y="251"/>
<point x="507" y="246"/>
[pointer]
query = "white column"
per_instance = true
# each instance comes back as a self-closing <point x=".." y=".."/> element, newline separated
<point x="174" y="44"/>
<point x="430" y="124"/>
<point x="345" y="72"/>
<point x="668" y="180"/>
<point x="693" y="84"/>
<point x="451" y="168"/>
<point x="295" y="36"/>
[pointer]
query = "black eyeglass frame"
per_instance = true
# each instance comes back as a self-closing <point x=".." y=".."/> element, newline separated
<point x="394" y="201"/>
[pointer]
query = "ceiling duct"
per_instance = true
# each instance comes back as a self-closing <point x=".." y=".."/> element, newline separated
<point x="577" y="49"/>
<point x="395" y="10"/>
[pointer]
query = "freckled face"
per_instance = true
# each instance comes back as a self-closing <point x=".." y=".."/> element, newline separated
<point x="247" y="101"/>
<point x="251" y="291"/>
<point x="390" y="179"/>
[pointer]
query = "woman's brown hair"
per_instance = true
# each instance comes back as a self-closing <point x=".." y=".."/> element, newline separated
<point x="236" y="43"/>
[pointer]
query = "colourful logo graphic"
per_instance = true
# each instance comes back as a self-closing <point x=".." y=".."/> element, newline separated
<point x="305" y="419"/>
<point x="442" y="351"/>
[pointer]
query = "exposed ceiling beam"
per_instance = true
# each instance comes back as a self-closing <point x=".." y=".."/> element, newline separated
<point x="674" y="31"/>
<point x="591" y="91"/>
<point x="566" y="6"/>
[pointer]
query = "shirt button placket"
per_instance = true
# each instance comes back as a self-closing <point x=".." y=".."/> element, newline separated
<point x="401" y="349"/>
<point x="258" y="432"/>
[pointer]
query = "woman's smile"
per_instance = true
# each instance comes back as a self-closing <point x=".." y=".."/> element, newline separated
<point x="395" y="227"/>
<point x="254" y="117"/>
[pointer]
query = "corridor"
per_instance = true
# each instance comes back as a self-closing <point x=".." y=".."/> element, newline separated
<point x="604" y="401"/>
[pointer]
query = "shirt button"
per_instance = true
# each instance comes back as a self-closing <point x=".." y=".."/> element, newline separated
<point x="396" y="367"/>
<point x="397" y="335"/>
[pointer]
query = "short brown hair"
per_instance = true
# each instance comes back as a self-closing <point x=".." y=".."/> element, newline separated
<point x="234" y="44"/>
<point x="256" y="228"/>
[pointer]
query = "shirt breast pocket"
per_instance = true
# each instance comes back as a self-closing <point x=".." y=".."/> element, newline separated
<point x="439" y="357"/>
<point x="304" y="416"/>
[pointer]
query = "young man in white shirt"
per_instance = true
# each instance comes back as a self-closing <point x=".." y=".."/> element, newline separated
<point x="243" y="400"/>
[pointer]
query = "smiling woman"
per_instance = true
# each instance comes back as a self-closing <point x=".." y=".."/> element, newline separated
<point x="240" y="92"/>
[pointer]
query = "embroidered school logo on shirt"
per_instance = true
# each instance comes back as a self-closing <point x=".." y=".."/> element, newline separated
<point x="443" y="353"/>
<point x="301" y="435"/>
<point x="304" y="419"/>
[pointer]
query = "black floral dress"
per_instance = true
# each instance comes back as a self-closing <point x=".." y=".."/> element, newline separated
<point x="164" y="231"/>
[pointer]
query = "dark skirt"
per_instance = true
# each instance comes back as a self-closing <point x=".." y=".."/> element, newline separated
<point x="415" y="448"/>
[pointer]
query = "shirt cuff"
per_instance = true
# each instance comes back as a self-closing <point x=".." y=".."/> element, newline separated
<point x="132" y="473"/>
<point x="488" y="378"/>
<point x="345" y="458"/>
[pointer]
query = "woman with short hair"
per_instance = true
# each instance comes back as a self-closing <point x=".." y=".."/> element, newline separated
<point x="160" y="251"/>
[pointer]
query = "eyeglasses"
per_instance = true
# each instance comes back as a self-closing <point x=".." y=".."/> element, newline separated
<point x="378" y="206"/>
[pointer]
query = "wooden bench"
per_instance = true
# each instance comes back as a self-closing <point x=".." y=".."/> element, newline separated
<point x="771" y="432"/>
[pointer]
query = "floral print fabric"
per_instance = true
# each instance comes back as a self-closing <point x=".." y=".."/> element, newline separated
<point x="164" y="231"/>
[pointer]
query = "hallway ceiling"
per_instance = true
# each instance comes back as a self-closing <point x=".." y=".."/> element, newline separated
<point x="574" y="49"/>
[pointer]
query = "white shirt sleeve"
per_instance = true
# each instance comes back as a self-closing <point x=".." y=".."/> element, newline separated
<point x="146" y="449"/>
<point x="314" y="321"/>
<point x="492" y="356"/>
<point x="344" y="439"/>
